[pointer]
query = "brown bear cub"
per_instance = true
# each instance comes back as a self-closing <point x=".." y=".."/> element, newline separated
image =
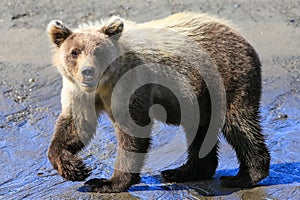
<point x="94" y="57"/>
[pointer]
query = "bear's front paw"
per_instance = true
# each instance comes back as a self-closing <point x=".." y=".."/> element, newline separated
<point x="69" y="166"/>
<point x="72" y="167"/>
<point x="105" y="186"/>
<point x="120" y="182"/>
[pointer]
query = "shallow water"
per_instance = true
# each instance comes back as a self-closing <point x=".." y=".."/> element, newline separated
<point x="29" y="106"/>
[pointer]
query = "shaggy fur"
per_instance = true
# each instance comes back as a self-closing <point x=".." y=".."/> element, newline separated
<point x="98" y="45"/>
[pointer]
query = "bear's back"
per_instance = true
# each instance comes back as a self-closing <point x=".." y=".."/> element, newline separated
<point x="192" y="35"/>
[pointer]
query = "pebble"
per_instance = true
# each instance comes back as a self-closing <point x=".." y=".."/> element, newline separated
<point x="40" y="174"/>
<point x="283" y="116"/>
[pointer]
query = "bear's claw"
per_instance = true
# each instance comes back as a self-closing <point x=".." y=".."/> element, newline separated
<point x="104" y="186"/>
<point x="72" y="167"/>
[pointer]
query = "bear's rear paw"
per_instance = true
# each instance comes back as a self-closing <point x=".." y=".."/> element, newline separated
<point x="174" y="175"/>
<point x="236" y="182"/>
<point x="189" y="172"/>
<point x="72" y="167"/>
<point x="244" y="179"/>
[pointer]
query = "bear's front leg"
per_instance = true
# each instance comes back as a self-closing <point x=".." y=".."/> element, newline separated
<point x="75" y="127"/>
<point x="62" y="151"/>
<point x="129" y="162"/>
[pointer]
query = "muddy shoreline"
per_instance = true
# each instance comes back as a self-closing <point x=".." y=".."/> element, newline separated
<point x="30" y="100"/>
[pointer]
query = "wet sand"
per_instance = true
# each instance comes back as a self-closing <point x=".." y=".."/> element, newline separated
<point x="30" y="101"/>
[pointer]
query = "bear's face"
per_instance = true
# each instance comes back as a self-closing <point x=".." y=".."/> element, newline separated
<point x="82" y="56"/>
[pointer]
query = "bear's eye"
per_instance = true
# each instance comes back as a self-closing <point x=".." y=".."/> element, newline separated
<point x="75" y="53"/>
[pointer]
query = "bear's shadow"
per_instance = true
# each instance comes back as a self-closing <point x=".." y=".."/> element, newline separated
<point x="285" y="173"/>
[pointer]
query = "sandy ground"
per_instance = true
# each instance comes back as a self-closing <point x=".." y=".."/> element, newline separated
<point x="30" y="100"/>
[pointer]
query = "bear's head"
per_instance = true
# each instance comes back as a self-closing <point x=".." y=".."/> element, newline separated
<point x="84" y="54"/>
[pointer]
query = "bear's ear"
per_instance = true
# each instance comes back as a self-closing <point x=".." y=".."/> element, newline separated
<point x="58" y="32"/>
<point x="113" y="27"/>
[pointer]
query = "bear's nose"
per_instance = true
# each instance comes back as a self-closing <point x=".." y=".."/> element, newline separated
<point x="88" y="72"/>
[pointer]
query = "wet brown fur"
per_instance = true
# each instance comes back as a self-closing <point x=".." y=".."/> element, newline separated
<point x="239" y="67"/>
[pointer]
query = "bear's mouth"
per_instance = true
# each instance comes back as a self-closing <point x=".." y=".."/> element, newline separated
<point x="89" y="83"/>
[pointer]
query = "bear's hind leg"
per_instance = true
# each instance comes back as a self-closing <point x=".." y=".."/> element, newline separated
<point x="244" y="134"/>
<point x="195" y="168"/>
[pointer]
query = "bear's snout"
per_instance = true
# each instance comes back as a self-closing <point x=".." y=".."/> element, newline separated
<point x="89" y="79"/>
<point x="88" y="73"/>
